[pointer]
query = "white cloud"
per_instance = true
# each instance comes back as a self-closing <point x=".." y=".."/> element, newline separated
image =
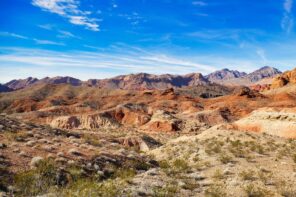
<point x="8" y="34"/>
<point x="287" y="22"/>
<point x="70" y="10"/>
<point x="48" y="42"/>
<point x="90" y="23"/>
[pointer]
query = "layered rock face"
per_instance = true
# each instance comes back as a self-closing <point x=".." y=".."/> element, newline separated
<point x="275" y="122"/>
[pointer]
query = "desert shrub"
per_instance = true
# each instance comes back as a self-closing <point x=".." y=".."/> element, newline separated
<point x="180" y="165"/>
<point x="164" y="164"/>
<point x="124" y="173"/>
<point x="90" y="188"/>
<point x="286" y="189"/>
<point x="256" y="147"/>
<point x="166" y="191"/>
<point x="294" y="158"/>
<point x="37" y="181"/>
<point x="247" y="175"/>
<point x="214" y="146"/>
<point x="224" y="158"/>
<point x="216" y="190"/>
<point x="264" y="176"/>
<point x="218" y="174"/>
<point x="255" y="191"/>
<point x="92" y="140"/>
<point x="5" y="178"/>
<point x="236" y="143"/>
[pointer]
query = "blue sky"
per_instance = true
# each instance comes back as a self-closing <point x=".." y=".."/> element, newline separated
<point x="104" y="38"/>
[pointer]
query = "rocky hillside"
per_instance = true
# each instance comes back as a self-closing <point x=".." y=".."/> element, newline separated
<point x="224" y="74"/>
<point x="225" y="162"/>
<point x="144" y="81"/>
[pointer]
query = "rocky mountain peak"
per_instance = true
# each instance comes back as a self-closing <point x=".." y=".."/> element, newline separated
<point x="264" y="72"/>
<point x="224" y="74"/>
<point x="21" y="83"/>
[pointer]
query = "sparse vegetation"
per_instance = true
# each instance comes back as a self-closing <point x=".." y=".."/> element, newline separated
<point x="37" y="181"/>
<point x="247" y="175"/>
<point x="253" y="190"/>
<point x="224" y="158"/>
<point x="167" y="190"/>
<point x="180" y="165"/>
<point x="218" y="174"/>
<point x="216" y="190"/>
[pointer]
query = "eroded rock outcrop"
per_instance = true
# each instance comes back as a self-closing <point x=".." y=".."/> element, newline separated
<point x="247" y="92"/>
<point x="288" y="77"/>
<point x="132" y="114"/>
<point x="88" y="121"/>
<point x="162" y="121"/>
<point x="141" y="143"/>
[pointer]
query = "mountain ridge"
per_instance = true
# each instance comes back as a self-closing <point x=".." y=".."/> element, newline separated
<point x="142" y="81"/>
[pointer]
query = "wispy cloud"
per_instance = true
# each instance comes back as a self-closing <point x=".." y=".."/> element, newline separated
<point x="61" y="33"/>
<point x="9" y="34"/>
<point x="131" y="60"/>
<point x="46" y="26"/>
<point x="225" y="34"/>
<point x="199" y="3"/>
<point x="261" y="53"/>
<point x="287" y="22"/>
<point x="70" y="10"/>
<point x="48" y="42"/>
<point x="67" y="34"/>
<point x="134" y="18"/>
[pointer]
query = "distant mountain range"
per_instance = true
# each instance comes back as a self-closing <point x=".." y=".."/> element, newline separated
<point x="144" y="81"/>
<point x="233" y="77"/>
